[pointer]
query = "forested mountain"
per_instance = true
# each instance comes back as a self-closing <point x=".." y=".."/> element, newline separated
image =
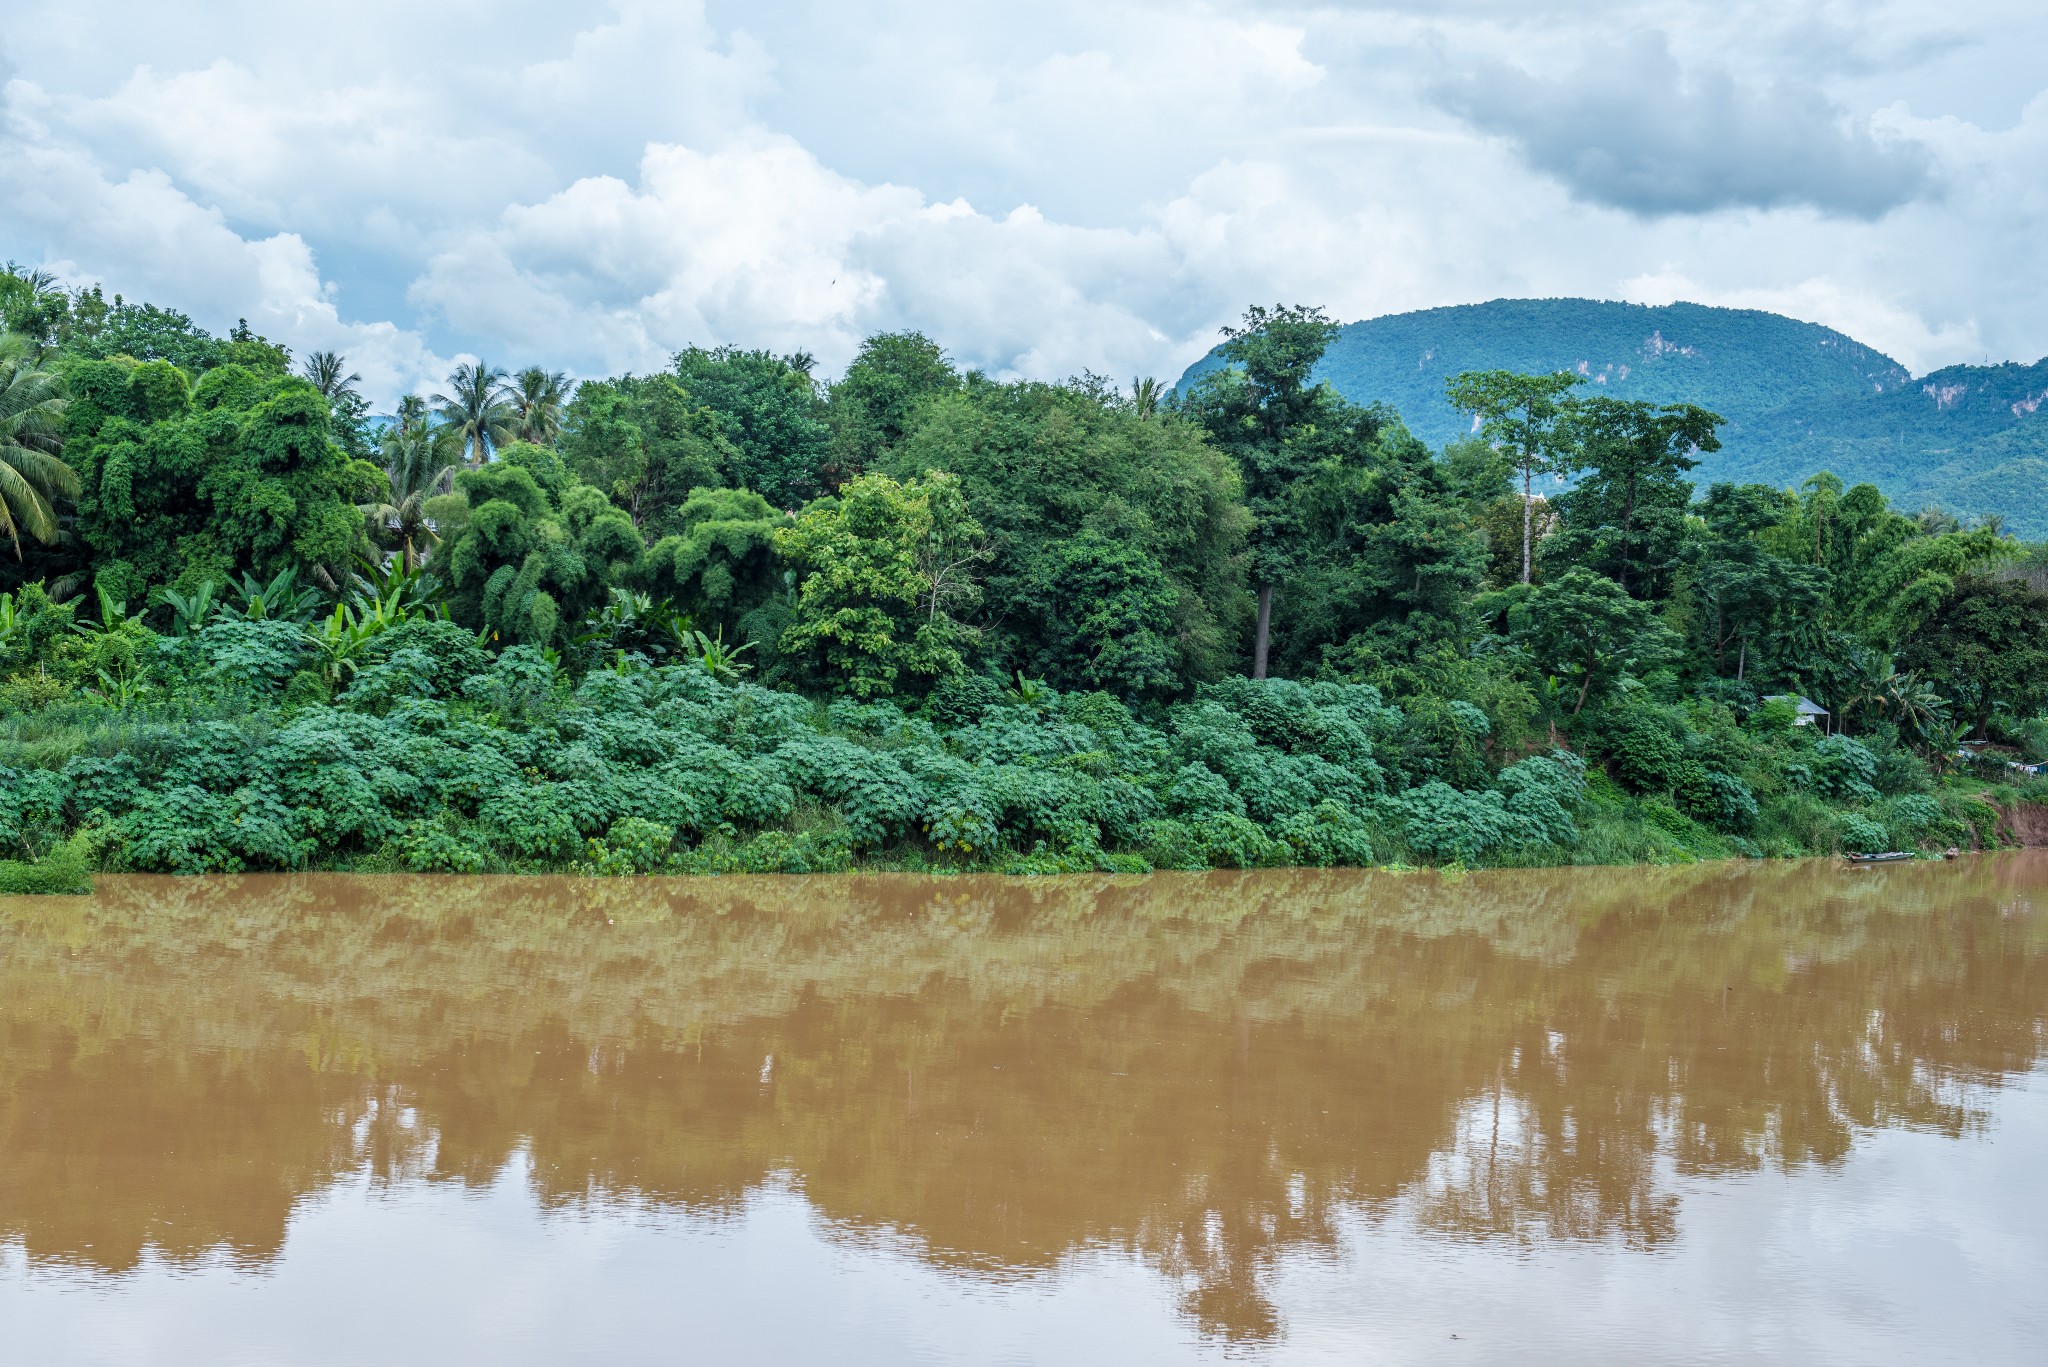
<point x="1798" y="397"/>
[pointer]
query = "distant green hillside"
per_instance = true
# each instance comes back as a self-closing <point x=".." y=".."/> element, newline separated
<point x="1798" y="397"/>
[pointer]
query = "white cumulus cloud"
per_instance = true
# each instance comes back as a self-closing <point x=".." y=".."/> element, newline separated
<point x="1080" y="185"/>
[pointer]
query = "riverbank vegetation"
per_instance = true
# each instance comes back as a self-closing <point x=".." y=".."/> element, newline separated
<point x="730" y="618"/>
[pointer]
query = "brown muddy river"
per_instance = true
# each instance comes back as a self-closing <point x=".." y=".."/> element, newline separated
<point x="1782" y="1113"/>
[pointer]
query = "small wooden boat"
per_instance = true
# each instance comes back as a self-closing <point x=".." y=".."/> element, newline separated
<point x="1888" y="857"/>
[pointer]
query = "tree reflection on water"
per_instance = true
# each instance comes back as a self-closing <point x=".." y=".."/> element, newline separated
<point x="1206" y="1070"/>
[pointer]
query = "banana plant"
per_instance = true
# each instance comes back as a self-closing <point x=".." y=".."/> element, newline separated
<point x="281" y="599"/>
<point x="342" y="638"/>
<point x="390" y="598"/>
<point x="121" y="687"/>
<point x="1032" y="693"/>
<point x="720" y="660"/>
<point x="113" y="612"/>
<point x="1942" y="738"/>
<point x="633" y="621"/>
<point x="410" y="586"/>
<point x="189" y="611"/>
<point x="1917" y="708"/>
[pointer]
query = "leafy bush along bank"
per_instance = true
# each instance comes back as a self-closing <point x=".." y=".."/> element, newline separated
<point x="438" y="756"/>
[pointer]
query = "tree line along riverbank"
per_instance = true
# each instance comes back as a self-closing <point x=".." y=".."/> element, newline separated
<point x="731" y="618"/>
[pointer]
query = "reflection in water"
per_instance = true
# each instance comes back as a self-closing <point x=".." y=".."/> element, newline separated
<point x="1202" y="1071"/>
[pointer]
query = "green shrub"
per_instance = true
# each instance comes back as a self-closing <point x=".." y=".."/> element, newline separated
<point x="65" y="870"/>
<point x="1775" y="718"/>
<point x="1797" y="823"/>
<point x="1861" y="834"/>
<point x="631" y="846"/>
<point x="1845" y="768"/>
<point x="1169" y="844"/>
<point x="1720" y="800"/>
<point x="1666" y="817"/>
<point x="1914" y="819"/>
<point x="1328" y="836"/>
<point x="1226" y="841"/>
<point x="1644" y="749"/>
<point x="185" y="828"/>
<point x="442" y="847"/>
<point x="773" y="852"/>
<point x="437" y="755"/>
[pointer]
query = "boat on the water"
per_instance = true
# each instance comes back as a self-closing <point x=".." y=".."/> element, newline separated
<point x="1888" y="857"/>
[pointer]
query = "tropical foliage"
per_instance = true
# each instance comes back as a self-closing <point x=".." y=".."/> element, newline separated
<point x="729" y="617"/>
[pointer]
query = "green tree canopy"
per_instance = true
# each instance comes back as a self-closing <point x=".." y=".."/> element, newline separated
<point x="871" y="407"/>
<point x="645" y="442"/>
<point x="721" y="566"/>
<point x="181" y="483"/>
<point x="527" y="552"/>
<point x="885" y="566"/>
<point x="1114" y="541"/>
<point x="1263" y="411"/>
<point x="769" y="408"/>
<point x="1625" y="517"/>
<point x="1519" y="415"/>
<point x="1391" y="554"/>
<point x="1985" y="645"/>
<point x="1586" y="630"/>
<point x="32" y="304"/>
<point x="1756" y="607"/>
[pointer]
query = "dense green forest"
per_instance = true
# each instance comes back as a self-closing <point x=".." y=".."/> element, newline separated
<point x="729" y="617"/>
<point x="1796" y="397"/>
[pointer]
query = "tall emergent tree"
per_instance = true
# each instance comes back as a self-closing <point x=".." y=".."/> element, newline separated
<point x="329" y="373"/>
<point x="346" y="405"/>
<point x="1518" y="415"/>
<point x="1625" y="518"/>
<point x="770" y="409"/>
<point x="32" y="304"/>
<point x="871" y="407"/>
<point x="31" y="435"/>
<point x="1263" y="410"/>
<point x="477" y="408"/>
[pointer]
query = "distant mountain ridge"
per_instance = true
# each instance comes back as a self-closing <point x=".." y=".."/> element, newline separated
<point x="1799" y="397"/>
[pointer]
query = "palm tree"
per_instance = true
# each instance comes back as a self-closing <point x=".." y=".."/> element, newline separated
<point x="1145" y="396"/>
<point x="537" y="397"/>
<point x="31" y="426"/>
<point x="32" y="303"/>
<point x="419" y="462"/>
<point x="1900" y="696"/>
<point x="477" y="409"/>
<point x="412" y="412"/>
<point x="324" y="369"/>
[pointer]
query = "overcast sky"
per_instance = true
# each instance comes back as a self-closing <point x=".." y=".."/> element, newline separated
<point x="1043" y="188"/>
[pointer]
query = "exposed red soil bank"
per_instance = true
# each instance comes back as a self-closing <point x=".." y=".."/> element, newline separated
<point x="2028" y="822"/>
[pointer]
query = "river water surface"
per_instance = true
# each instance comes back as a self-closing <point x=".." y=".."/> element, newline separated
<point x="1747" y="1113"/>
